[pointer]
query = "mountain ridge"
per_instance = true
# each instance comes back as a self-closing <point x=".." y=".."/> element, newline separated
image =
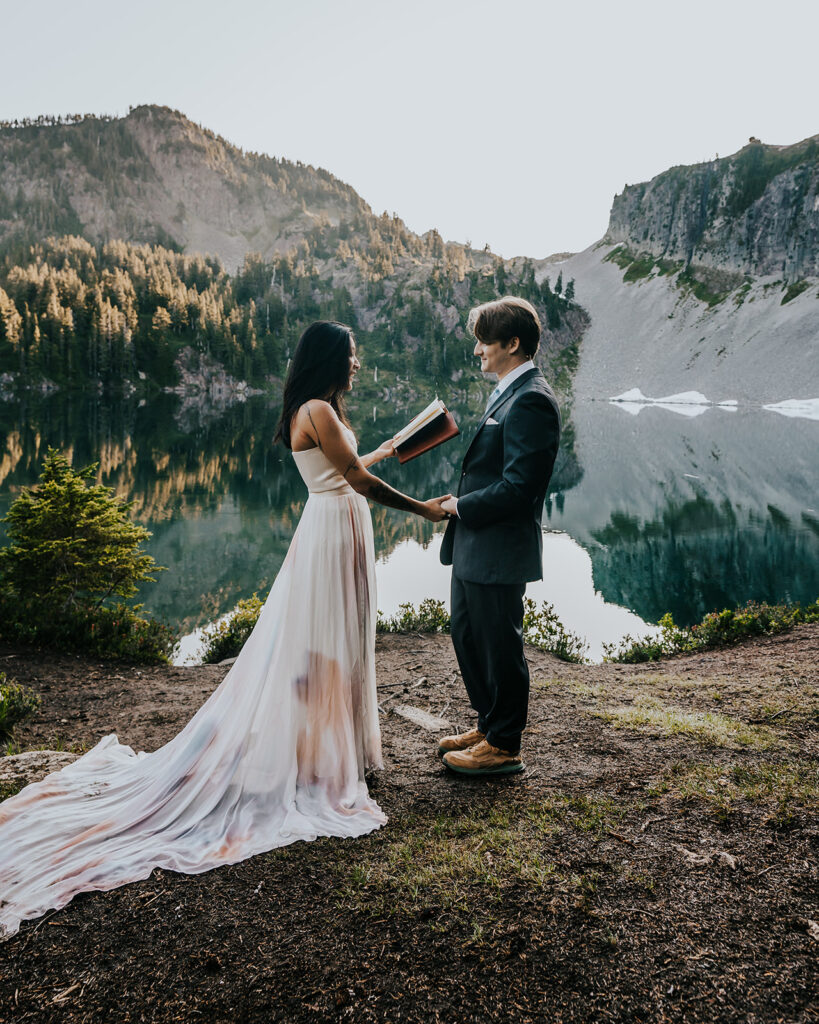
<point x="754" y="212"/>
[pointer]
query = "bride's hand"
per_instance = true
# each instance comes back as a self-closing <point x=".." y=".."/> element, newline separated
<point x="434" y="512"/>
<point x="385" y="450"/>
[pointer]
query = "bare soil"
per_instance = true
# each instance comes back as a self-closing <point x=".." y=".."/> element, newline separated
<point x="657" y="861"/>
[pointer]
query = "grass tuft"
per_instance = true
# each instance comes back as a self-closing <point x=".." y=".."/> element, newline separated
<point x="704" y="726"/>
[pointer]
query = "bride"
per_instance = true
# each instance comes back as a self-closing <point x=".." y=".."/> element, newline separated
<point x="279" y="750"/>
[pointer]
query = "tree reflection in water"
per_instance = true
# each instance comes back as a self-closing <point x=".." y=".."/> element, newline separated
<point x="677" y="515"/>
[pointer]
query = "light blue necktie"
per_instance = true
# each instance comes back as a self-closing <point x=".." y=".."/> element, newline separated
<point x="492" y="397"/>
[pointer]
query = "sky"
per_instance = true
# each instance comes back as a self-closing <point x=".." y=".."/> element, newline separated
<point x="512" y="123"/>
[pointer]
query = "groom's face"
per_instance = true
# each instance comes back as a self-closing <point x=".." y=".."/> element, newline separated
<point x="495" y="358"/>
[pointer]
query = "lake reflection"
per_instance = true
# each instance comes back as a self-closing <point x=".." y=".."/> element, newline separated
<point x="675" y="514"/>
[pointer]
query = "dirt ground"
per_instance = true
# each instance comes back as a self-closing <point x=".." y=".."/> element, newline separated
<point x="656" y="861"/>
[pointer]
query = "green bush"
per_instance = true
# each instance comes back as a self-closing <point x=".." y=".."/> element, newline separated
<point x="544" y="629"/>
<point x="16" y="705"/>
<point x="226" y="638"/>
<point x="431" y="617"/>
<point x="116" y="632"/>
<point x="541" y="628"/>
<point x="717" y="629"/>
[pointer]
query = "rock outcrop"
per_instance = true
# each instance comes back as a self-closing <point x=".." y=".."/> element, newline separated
<point x="21" y="769"/>
<point x="756" y="212"/>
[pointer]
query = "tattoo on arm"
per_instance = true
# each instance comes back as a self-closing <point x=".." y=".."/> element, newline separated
<point x="386" y="495"/>
<point x="353" y="461"/>
<point x="310" y="417"/>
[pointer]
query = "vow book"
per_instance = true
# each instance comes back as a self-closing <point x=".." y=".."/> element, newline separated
<point x="430" y="428"/>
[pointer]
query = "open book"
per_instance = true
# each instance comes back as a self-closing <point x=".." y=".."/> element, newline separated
<point x="430" y="428"/>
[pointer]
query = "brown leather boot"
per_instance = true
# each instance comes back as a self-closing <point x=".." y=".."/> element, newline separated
<point x="460" y="742"/>
<point x="483" y="759"/>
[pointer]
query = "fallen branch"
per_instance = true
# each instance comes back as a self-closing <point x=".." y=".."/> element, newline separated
<point x="770" y="718"/>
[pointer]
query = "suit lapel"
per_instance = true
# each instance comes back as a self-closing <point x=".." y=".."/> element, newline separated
<point x="500" y="401"/>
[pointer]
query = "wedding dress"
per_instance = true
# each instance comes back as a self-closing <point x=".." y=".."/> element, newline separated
<point x="276" y="754"/>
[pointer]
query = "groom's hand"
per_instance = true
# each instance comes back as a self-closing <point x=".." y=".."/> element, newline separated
<point x="435" y="508"/>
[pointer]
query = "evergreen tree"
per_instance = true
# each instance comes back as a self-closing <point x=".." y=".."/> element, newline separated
<point x="71" y="541"/>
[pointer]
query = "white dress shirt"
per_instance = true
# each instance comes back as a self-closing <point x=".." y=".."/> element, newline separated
<point x="504" y="383"/>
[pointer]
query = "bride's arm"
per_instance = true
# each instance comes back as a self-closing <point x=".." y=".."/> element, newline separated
<point x="384" y="451"/>
<point x="336" y="446"/>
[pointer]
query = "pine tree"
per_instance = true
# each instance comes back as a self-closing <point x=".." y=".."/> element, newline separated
<point x="71" y="541"/>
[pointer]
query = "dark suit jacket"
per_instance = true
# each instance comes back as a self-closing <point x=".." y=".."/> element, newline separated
<point x="497" y="535"/>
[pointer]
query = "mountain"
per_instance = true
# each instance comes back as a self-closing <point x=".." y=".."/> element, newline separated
<point x="155" y="176"/>
<point x="707" y="280"/>
<point x="756" y="212"/>
<point x="146" y="248"/>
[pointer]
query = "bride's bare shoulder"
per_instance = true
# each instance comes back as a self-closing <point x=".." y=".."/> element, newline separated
<point x="318" y="412"/>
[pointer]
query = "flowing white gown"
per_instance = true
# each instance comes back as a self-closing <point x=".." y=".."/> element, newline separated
<point x="276" y="754"/>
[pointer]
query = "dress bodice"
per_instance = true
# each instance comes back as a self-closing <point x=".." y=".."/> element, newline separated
<point x="320" y="475"/>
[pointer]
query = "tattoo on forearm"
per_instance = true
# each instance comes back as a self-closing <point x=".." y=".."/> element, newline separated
<point x="353" y="462"/>
<point x="309" y="417"/>
<point x="386" y="495"/>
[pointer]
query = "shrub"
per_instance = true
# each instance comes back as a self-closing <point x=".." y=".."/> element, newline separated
<point x="226" y="638"/>
<point x="717" y="629"/>
<point x="541" y="628"/>
<point x="16" y="705"/>
<point x="431" y="617"/>
<point x="544" y="629"/>
<point x="116" y="632"/>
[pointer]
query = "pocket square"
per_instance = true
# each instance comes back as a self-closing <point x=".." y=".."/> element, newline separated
<point x="491" y="422"/>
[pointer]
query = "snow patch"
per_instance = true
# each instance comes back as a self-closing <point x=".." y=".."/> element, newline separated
<point x="803" y="408"/>
<point x="634" y="395"/>
<point x="684" y="403"/>
<point x="683" y="398"/>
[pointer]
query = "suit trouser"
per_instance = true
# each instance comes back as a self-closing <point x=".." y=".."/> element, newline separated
<point x="487" y="634"/>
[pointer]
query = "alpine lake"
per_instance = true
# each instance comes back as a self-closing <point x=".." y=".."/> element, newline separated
<point x="682" y="511"/>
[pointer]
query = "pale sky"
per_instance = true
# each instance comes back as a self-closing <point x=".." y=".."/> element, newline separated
<point x="512" y="123"/>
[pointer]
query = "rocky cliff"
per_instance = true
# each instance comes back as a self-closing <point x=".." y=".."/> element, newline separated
<point x="756" y="212"/>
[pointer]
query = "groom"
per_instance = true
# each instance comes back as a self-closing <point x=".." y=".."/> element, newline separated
<point x="494" y="541"/>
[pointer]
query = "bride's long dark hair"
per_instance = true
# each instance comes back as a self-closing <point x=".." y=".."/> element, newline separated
<point x="320" y="368"/>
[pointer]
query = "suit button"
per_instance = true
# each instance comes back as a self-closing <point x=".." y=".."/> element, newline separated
<point x="463" y="474"/>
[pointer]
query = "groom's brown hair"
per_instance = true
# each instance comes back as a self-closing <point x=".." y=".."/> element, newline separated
<point x="507" y="318"/>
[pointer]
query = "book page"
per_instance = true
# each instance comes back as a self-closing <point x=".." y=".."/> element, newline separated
<point x="434" y="409"/>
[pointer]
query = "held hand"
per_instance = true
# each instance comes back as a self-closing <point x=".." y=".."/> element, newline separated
<point x="450" y="505"/>
<point x="435" y="510"/>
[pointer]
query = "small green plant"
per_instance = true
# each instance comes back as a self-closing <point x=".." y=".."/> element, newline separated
<point x="16" y="705"/>
<point x="793" y="290"/>
<point x="542" y="628"/>
<point x="226" y="638"/>
<point x="431" y="617"/>
<point x="8" y="789"/>
<point x="717" y="629"/>
<point x="113" y="632"/>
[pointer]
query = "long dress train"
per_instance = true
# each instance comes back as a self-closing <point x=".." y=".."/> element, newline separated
<point x="276" y="754"/>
